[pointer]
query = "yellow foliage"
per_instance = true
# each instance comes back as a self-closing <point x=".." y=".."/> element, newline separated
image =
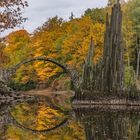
<point x="65" y="42"/>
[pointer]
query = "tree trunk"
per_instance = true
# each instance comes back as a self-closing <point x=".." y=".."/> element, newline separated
<point x="138" y="63"/>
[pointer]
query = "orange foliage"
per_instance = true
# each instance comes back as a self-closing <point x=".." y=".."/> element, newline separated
<point x="66" y="42"/>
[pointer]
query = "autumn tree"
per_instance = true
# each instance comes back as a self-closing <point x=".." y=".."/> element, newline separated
<point x="68" y="42"/>
<point x="44" y="44"/>
<point x="77" y="39"/>
<point x="17" y="46"/>
<point x="11" y="13"/>
<point x="17" y="49"/>
<point x="3" y="57"/>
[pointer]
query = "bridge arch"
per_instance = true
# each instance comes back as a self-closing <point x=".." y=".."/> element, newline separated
<point x="6" y="74"/>
<point x="73" y="74"/>
<point x="45" y="131"/>
<point x="65" y="69"/>
<point x="8" y="118"/>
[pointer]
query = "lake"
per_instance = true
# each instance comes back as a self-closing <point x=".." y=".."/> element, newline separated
<point x="39" y="119"/>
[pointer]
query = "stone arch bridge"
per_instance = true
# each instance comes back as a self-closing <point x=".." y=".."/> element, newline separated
<point x="6" y="74"/>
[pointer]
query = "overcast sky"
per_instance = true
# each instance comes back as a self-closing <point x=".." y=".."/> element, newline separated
<point x="40" y="10"/>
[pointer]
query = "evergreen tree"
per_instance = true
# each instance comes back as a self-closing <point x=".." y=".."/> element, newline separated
<point x="96" y="14"/>
<point x="71" y="16"/>
<point x="112" y="2"/>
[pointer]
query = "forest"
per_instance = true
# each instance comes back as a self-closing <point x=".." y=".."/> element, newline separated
<point x="68" y="42"/>
<point x="51" y="111"/>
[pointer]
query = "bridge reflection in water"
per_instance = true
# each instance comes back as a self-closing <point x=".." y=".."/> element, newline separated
<point x="112" y="124"/>
<point x="41" y="120"/>
<point x="37" y="119"/>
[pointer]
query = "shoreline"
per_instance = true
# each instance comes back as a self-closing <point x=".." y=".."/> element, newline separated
<point x="106" y="102"/>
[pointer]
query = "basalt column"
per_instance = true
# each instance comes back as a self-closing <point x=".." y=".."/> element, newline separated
<point x="113" y="61"/>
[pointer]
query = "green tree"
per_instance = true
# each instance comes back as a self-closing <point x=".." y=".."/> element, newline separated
<point x="134" y="17"/>
<point x="97" y="15"/>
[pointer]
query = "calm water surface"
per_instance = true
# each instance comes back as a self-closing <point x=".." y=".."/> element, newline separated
<point x="40" y="120"/>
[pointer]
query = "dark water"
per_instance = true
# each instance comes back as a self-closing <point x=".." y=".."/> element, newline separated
<point x="40" y="120"/>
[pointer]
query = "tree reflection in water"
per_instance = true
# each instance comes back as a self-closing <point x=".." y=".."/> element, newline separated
<point x="37" y="120"/>
<point x="103" y="124"/>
